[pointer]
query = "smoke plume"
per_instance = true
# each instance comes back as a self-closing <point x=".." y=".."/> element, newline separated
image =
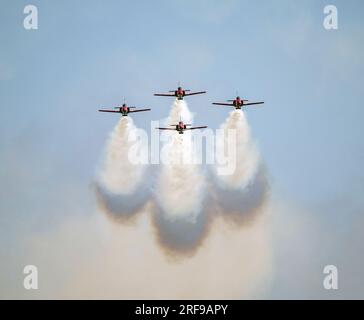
<point x="181" y="245"/>
<point x="122" y="189"/>
<point x="242" y="194"/>
<point x="246" y="156"/>
<point x="119" y="175"/>
<point x="185" y="199"/>
<point x="180" y="216"/>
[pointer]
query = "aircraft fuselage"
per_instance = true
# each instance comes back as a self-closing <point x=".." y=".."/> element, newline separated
<point x="238" y="103"/>
<point x="179" y="94"/>
<point x="181" y="127"/>
<point x="124" y="110"/>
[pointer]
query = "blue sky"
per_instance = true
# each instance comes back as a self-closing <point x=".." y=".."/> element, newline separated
<point x="83" y="56"/>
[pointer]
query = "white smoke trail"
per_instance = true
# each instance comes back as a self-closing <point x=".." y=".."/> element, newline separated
<point x="247" y="157"/>
<point x="179" y="111"/>
<point x="183" y="210"/>
<point x="180" y="187"/>
<point x="119" y="175"/>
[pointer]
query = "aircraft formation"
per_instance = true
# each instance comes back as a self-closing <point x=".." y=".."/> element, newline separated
<point x="180" y="93"/>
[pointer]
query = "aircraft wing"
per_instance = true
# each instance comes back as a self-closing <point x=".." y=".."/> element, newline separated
<point x="166" y="129"/>
<point x="251" y="103"/>
<point x="114" y="111"/>
<point x="223" y="104"/>
<point x="164" y="94"/>
<point x="193" y="128"/>
<point x="193" y="93"/>
<point x="139" y="110"/>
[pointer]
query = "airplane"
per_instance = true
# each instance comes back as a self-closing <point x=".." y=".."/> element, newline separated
<point x="180" y="127"/>
<point x="238" y="103"/>
<point x="124" y="110"/>
<point x="179" y="93"/>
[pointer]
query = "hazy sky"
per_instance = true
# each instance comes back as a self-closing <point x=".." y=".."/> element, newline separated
<point x="90" y="54"/>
